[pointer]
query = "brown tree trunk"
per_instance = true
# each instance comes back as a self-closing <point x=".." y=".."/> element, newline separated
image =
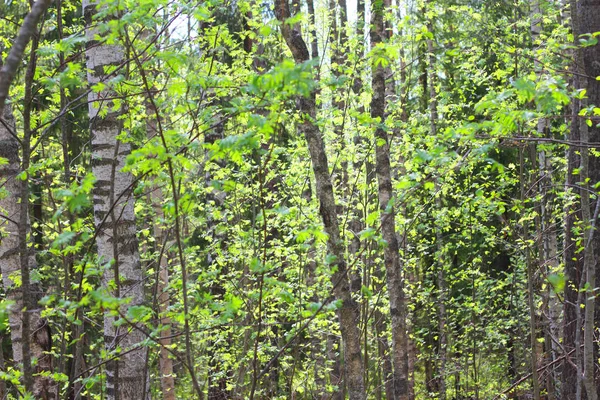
<point x="587" y="14"/>
<point x="165" y="363"/>
<point x="348" y="312"/>
<point x="572" y="259"/>
<point x="392" y="262"/>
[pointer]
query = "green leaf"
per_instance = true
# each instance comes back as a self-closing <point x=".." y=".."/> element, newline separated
<point x="367" y="233"/>
<point x="558" y="282"/>
<point x="64" y="239"/>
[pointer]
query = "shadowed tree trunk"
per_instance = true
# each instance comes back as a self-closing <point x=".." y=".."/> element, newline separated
<point x="587" y="14"/>
<point x="10" y="262"/>
<point x="548" y="245"/>
<point x="442" y="258"/>
<point x="572" y="259"/>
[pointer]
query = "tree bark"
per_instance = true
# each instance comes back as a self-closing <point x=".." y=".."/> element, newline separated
<point x="348" y="312"/>
<point x="165" y="363"/>
<point x="572" y="259"/>
<point x="115" y="221"/>
<point x="392" y="262"/>
<point x="15" y="253"/>
<point x="548" y="244"/>
<point x="13" y="60"/>
<point x="587" y="13"/>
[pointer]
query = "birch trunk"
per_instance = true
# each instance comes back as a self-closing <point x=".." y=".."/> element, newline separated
<point x="114" y="218"/>
<point x="10" y="260"/>
<point x="15" y="254"/>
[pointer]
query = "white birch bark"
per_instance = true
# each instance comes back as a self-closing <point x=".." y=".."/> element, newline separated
<point x="10" y="263"/>
<point x="126" y="378"/>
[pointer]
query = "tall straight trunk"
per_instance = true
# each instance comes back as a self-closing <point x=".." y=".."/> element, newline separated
<point x="165" y="363"/>
<point x="314" y="46"/>
<point x="10" y="259"/>
<point x="583" y="348"/>
<point x="356" y="197"/>
<point x="114" y="217"/>
<point x="349" y="312"/>
<point x="535" y="30"/>
<point x="441" y="277"/>
<point x="15" y="253"/>
<point x="34" y="328"/>
<point x="340" y="174"/>
<point x="530" y="291"/>
<point x="393" y="266"/>
<point x="589" y="267"/>
<point x="548" y="245"/>
<point x="572" y="259"/>
<point x="587" y="14"/>
<point x="9" y="245"/>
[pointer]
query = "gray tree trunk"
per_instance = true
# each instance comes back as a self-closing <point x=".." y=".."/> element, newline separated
<point x="15" y="256"/>
<point x="392" y="262"/>
<point x="126" y="377"/>
<point x="10" y="262"/>
<point x="348" y="312"/>
<point x="587" y="14"/>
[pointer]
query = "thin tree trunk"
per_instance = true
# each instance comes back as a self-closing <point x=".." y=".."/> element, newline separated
<point x="348" y="312"/>
<point x="548" y="243"/>
<point x="589" y="266"/>
<point x="441" y="278"/>
<point x="165" y="363"/>
<point x="572" y="259"/>
<point x="35" y="331"/>
<point x="587" y="58"/>
<point x="115" y="222"/>
<point x="15" y="254"/>
<point x="393" y="266"/>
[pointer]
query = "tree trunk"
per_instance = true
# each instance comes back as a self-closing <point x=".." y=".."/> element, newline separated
<point x="114" y="217"/>
<point x="587" y="14"/>
<point x="10" y="260"/>
<point x="393" y="266"/>
<point x="572" y="259"/>
<point x="165" y="363"/>
<point x="442" y="259"/>
<point x="348" y="312"/>
<point x="15" y="254"/>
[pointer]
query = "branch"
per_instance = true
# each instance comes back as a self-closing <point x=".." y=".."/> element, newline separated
<point x="9" y="69"/>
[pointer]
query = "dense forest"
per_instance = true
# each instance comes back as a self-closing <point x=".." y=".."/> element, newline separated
<point x="305" y="199"/>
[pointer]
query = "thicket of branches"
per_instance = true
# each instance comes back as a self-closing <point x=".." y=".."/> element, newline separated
<point x="299" y="200"/>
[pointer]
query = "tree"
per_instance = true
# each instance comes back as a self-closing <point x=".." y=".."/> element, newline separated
<point x="348" y="312"/>
<point x="29" y="333"/>
<point x="166" y="152"/>
<point x="127" y="376"/>
<point x="388" y="215"/>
